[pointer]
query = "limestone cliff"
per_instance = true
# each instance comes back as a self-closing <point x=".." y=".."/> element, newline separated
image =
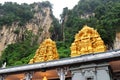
<point x="117" y="41"/>
<point x="39" y="25"/>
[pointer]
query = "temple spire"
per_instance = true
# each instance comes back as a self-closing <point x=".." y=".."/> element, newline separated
<point x="87" y="41"/>
<point x="46" y="51"/>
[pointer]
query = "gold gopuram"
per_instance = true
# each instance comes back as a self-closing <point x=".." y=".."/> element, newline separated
<point x="87" y="41"/>
<point x="47" y="51"/>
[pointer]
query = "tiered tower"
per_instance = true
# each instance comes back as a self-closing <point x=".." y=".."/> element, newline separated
<point x="87" y="41"/>
<point x="47" y="51"/>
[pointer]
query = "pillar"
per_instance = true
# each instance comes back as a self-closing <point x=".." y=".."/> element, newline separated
<point x="28" y="75"/>
<point x="62" y="72"/>
<point x="2" y="77"/>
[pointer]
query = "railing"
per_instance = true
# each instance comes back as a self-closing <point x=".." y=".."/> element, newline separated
<point x="61" y="64"/>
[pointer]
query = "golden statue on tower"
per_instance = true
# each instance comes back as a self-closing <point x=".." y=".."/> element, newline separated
<point x="87" y="41"/>
<point x="47" y="51"/>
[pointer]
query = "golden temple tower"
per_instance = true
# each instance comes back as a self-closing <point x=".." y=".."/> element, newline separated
<point x="87" y="41"/>
<point x="47" y="51"/>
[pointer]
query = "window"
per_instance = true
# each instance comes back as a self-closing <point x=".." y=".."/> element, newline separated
<point x="89" y="78"/>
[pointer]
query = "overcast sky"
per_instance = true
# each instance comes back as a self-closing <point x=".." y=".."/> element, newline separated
<point x="58" y="5"/>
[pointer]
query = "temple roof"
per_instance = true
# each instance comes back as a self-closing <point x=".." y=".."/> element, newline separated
<point x="100" y="57"/>
<point x="47" y="51"/>
<point x="87" y="41"/>
<point x="48" y="68"/>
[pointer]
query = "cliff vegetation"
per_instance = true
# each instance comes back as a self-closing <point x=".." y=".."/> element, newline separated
<point x="23" y="27"/>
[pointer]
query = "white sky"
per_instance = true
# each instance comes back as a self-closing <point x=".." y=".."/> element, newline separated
<point x="58" y="5"/>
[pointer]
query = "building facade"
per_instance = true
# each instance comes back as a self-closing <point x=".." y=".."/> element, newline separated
<point x="100" y="66"/>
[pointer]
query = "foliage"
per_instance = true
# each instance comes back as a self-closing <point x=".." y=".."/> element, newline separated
<point x="55" y="30"/>
<point x="46" y="4"/>
<point x="19" y="13"/>
<point x="63" y="49"/>
<point x="13" y="12"/>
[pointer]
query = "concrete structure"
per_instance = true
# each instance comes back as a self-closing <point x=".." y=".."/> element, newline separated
<point x="91" y="72"/>
<point x="99" y="66"/>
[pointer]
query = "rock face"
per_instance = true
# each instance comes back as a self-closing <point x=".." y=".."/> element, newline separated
<point x="47" y="51"/>
<point x="117" y="41"/>
<point x="87" y="41"/>
<point x="7" y="36"/>
<point x="39" y="26"/>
